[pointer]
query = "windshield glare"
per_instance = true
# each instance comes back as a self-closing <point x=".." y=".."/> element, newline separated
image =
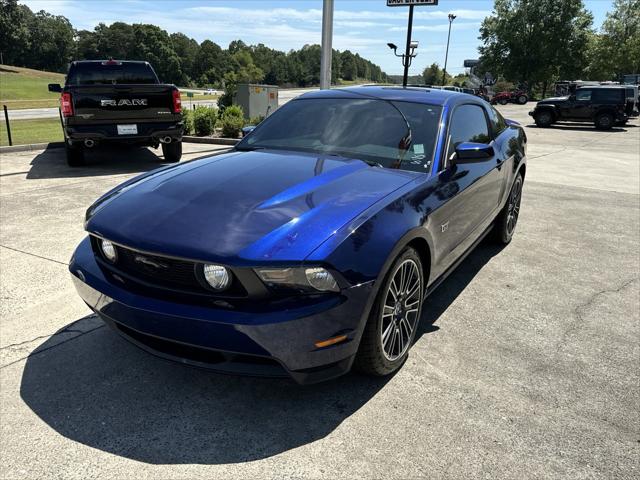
<point x="372" y="130"/>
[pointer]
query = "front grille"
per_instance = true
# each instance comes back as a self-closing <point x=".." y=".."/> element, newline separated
<point x="155" y="269"/>
<point x="166" y="273"/>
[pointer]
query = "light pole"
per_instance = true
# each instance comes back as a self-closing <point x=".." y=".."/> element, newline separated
<point x="327" y="51"/>
<point x="406" y="57"/>
<point x="452" y="17"/>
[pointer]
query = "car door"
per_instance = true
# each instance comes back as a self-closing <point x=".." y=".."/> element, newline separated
<point x="580" y="105"/>
<point x="470" y="191"/>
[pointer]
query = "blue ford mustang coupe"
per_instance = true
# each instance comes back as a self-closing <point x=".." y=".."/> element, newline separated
<point x="311" y="246"/>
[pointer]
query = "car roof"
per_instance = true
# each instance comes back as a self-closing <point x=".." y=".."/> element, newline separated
<point x="424" y="95"/>
<point x="591" y="87"/>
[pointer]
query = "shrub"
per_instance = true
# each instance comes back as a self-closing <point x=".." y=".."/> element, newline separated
<point x="232" y="121"/>
<point x="254" y="121"/>
<point x="204" y="120"/>
<point x="187" y="118"/>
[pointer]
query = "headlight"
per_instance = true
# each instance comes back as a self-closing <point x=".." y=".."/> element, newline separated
<point x="217" y="276"/>
<point x="313" y="279"/>
<point x="108" y="250"/>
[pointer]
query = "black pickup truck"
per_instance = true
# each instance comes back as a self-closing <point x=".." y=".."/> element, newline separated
<point x="109" y="101"/>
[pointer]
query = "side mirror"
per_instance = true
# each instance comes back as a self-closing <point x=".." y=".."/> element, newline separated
<point x="55" y="87"/>
<point x="247" y="130"/>
<point x="470" y="152"/>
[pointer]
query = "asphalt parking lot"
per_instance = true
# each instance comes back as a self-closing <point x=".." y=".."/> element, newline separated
<point x="527" y="363"/>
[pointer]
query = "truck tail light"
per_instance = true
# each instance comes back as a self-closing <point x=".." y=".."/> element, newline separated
<point x="66" y="105"/>
<point x="177" y="103"/>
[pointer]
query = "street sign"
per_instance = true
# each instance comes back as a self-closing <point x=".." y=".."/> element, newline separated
<point x="189" y="94"/>
<point x="406" y="3"/>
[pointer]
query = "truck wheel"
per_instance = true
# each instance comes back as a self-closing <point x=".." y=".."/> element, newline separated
<point x="543" y="119"/>
<point x="503" y="101"/>
<point x="604" y="121"/>
<point x="522" y="99"/>
<point x="172" y="151"/>
<point x="394" y="318"/>
<point x="507" y="219"/>
<point x="75" y="155"/>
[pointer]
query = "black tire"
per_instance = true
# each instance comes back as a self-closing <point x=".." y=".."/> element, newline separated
<point x="507" y="219"/>
<point x="375" y="356"/>
<point x="503" y="101"/>
<point x="604" y="121"/>
<point x="172" y="151"/>
<point x="543" y="119"/>
<point x="522" y="99"/>
<point x="75" y="155"/>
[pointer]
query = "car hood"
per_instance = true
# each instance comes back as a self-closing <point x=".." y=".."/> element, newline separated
<point x="553" y="100"/>
<point x="242" y="206"/>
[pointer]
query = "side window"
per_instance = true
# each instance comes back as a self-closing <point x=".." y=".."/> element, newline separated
<point x="583" y="95"/>
<point x="609" y="95"/>
<point x="498" y="125"/>
<point x="468" y="124"/>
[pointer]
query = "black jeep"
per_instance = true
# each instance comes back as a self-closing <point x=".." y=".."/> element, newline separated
<point x="602" y="106"/>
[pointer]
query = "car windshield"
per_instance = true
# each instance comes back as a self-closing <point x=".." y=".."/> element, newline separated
<point x="399" y="135"/>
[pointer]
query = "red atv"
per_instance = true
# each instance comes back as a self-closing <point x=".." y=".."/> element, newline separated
<point x="517" y="96"/>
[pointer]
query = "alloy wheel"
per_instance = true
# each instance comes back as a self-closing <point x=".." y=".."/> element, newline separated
<point x="513" y="210"/>
<point x="401" y="309"/>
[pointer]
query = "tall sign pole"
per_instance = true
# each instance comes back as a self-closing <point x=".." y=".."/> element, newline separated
<point x="411" y="46"/>
<point x="406" y="60"/>
<point x="327" y="35"/>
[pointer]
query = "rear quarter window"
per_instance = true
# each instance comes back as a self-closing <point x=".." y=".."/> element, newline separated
<point x="103" y="73"/>
<point x="609" y="95"/>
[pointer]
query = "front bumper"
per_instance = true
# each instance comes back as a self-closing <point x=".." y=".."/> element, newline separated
<point x="274" y="342"/>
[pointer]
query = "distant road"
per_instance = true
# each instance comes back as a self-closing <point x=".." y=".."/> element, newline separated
<point x="284" y="96"/>
<point x="31" y="113"/>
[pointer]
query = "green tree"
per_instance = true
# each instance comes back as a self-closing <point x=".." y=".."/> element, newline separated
<point x="51" y="42"/>
<point x="209" y="65"/>
<point x="187" y="51"/>
<point x="154" y="45"/>
<point x="535" y="41"/>
<point x="116" y="40"/>
<point x="15" y="40"/>
<point x="433" y="75"/>
<point x="616" y="49"/>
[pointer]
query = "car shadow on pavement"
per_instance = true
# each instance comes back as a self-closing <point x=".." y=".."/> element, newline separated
<point x="101" y="391"/>
<point x="98" y="389"/>
<point x="107" y="160"/>
<point x="438" y="302"/>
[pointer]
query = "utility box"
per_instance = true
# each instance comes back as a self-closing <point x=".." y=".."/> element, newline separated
<point x="256" y="100"/>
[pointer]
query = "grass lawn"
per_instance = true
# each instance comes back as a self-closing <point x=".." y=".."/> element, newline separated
<point x="23" y="132"/>
<point x="27" y="88"/>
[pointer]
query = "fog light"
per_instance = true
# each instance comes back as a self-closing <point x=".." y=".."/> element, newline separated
<point x="109" y="250"/>
<point x="217" y="276"/>
<point x="321" y="279"/>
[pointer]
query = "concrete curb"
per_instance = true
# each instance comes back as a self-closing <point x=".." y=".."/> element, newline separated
<point x="43" y="146"/>
<point x="216" y="141"/>
<point x="31" y="147"/>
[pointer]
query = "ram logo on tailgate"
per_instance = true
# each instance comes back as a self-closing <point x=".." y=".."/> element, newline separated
<point x="124" y="102"/>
